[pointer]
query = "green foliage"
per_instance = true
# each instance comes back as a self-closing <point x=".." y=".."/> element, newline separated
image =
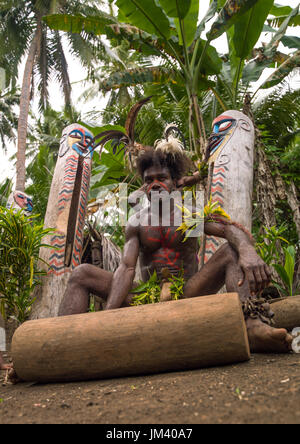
<point x="19" y="22"/>
<point x="278" y="118"/>
<point x="281" y="13"/>
<point x="146" y="14"/>
<point x="177" y="286"/>
<point x="230" y="14"/>
<point x="40" y="172"/>
<point x="268" y="54"/>
<point x="283" y="71"/>
<point x="187" y="61"/>
<point x="247" y="30"/>
<point x="148" y="292"/>
<point x="269" y="247"/>
<point x="268" y="244"/>
<point x="5" y="189"/>
<point x="177" y="9"/>
<point x="20" y="241"/>
<point x="286" y="272"/>
<point x="8" y="119"/>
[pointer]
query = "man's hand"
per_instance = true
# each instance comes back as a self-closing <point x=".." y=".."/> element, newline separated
<point x="256" y="272"/>
<point x="188" y="181"/>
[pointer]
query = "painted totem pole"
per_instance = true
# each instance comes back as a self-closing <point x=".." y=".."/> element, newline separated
<point x="19" y="200"/>
<point x="65" y="213"/>
<point x="230" y="157"/>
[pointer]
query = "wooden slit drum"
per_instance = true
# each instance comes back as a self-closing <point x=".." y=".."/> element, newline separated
<point x="175" y="335"/>
<point x="287" y="313"/>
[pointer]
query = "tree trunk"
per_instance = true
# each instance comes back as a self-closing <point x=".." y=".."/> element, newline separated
<point x="24" y="110"/>
<point x="265" y="187"/>
<point x="293" y="202"/>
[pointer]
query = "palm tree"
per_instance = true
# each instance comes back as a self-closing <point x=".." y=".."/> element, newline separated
<point x="24" y="34"/>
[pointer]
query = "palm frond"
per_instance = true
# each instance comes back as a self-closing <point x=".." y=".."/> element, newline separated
<point x="61" y="66"/>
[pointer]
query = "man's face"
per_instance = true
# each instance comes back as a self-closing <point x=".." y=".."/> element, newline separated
<point x="158" y="179"/>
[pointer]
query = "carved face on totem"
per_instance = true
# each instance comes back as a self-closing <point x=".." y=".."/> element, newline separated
<point x="222" y="129"/>
<point x="78" y="139"/>
<point x="19" y="200"/>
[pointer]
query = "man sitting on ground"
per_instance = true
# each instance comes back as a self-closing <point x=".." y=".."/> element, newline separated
<point x="161" y="247"/>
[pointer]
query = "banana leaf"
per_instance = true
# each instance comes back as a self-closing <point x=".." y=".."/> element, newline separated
<point x="269" y="53"/>
<point x="249" y="27"/>
<point x="281" y="13"/>
<point x="283" y="27"/>
<point x="140" y="40"/>
<point x="208" y="16"/>
<point x="279" y="10"/>
<point x="212" y="62"/>
<point x="132" y="77"/>
<point x="78" y="23"/>
<point x="112" y="29"/>
<point x="283" y="71"/>
<point x="146" y="15"/>
<point x="177" y="9"/>
<point x="291" y="41"/>
<point x="189" y="24"/>
<point x="229" y="15"/>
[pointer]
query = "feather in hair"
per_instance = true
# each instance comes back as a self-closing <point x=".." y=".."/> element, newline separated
<point x="170" y="143"/>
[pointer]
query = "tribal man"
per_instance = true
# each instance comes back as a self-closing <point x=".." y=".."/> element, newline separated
<point x="160" y="248"/>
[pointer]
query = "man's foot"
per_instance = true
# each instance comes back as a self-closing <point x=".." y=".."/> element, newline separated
<point x="13" y="377"/>
<point x="266" y="339"/>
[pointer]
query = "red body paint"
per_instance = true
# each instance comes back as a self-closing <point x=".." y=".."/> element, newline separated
<point x="166" y="254"/>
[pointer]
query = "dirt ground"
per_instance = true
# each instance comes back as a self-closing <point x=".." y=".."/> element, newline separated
<point x="264" y="390"/>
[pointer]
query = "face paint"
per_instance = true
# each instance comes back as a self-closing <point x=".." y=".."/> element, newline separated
<point x="80" y="141"/>
<point x="19" y="200"/>
<point x="29" y="205"/>
<point x="156" y="182"/>
<point x="76" y="138"/>
<point x="223" y="128"/>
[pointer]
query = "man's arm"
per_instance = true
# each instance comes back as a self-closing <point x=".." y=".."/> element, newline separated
<point x="255" y="270"/>
<point x="188" y="181"/>
<point x="124" y="275"/>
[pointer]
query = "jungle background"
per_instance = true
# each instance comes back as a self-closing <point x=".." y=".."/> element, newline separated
<point x="89" y="62"/>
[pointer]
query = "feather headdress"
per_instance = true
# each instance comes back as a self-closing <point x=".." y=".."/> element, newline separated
<point x="123" y="140"/>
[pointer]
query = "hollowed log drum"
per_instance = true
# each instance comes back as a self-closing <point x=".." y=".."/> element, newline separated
<point x="176" y="335"/>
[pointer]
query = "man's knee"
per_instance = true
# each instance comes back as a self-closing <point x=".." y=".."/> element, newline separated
<point x="79" y="275"/>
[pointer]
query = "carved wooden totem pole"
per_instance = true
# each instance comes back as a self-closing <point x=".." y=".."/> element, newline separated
<point x="20" y="200"/>
<point x="230" y="156"/>
<point x="65" y="213"/>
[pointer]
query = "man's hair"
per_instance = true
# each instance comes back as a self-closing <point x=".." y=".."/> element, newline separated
<point x="177" y="163"/>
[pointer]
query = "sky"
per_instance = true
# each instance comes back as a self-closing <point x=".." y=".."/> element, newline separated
<point x="78" y="74"/>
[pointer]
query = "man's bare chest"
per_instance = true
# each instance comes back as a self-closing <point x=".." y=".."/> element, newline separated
<point x="154" y="238"/>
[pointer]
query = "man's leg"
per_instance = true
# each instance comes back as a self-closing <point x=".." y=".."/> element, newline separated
<point x="84" y="279"/>
<point x="223" y="268"/>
